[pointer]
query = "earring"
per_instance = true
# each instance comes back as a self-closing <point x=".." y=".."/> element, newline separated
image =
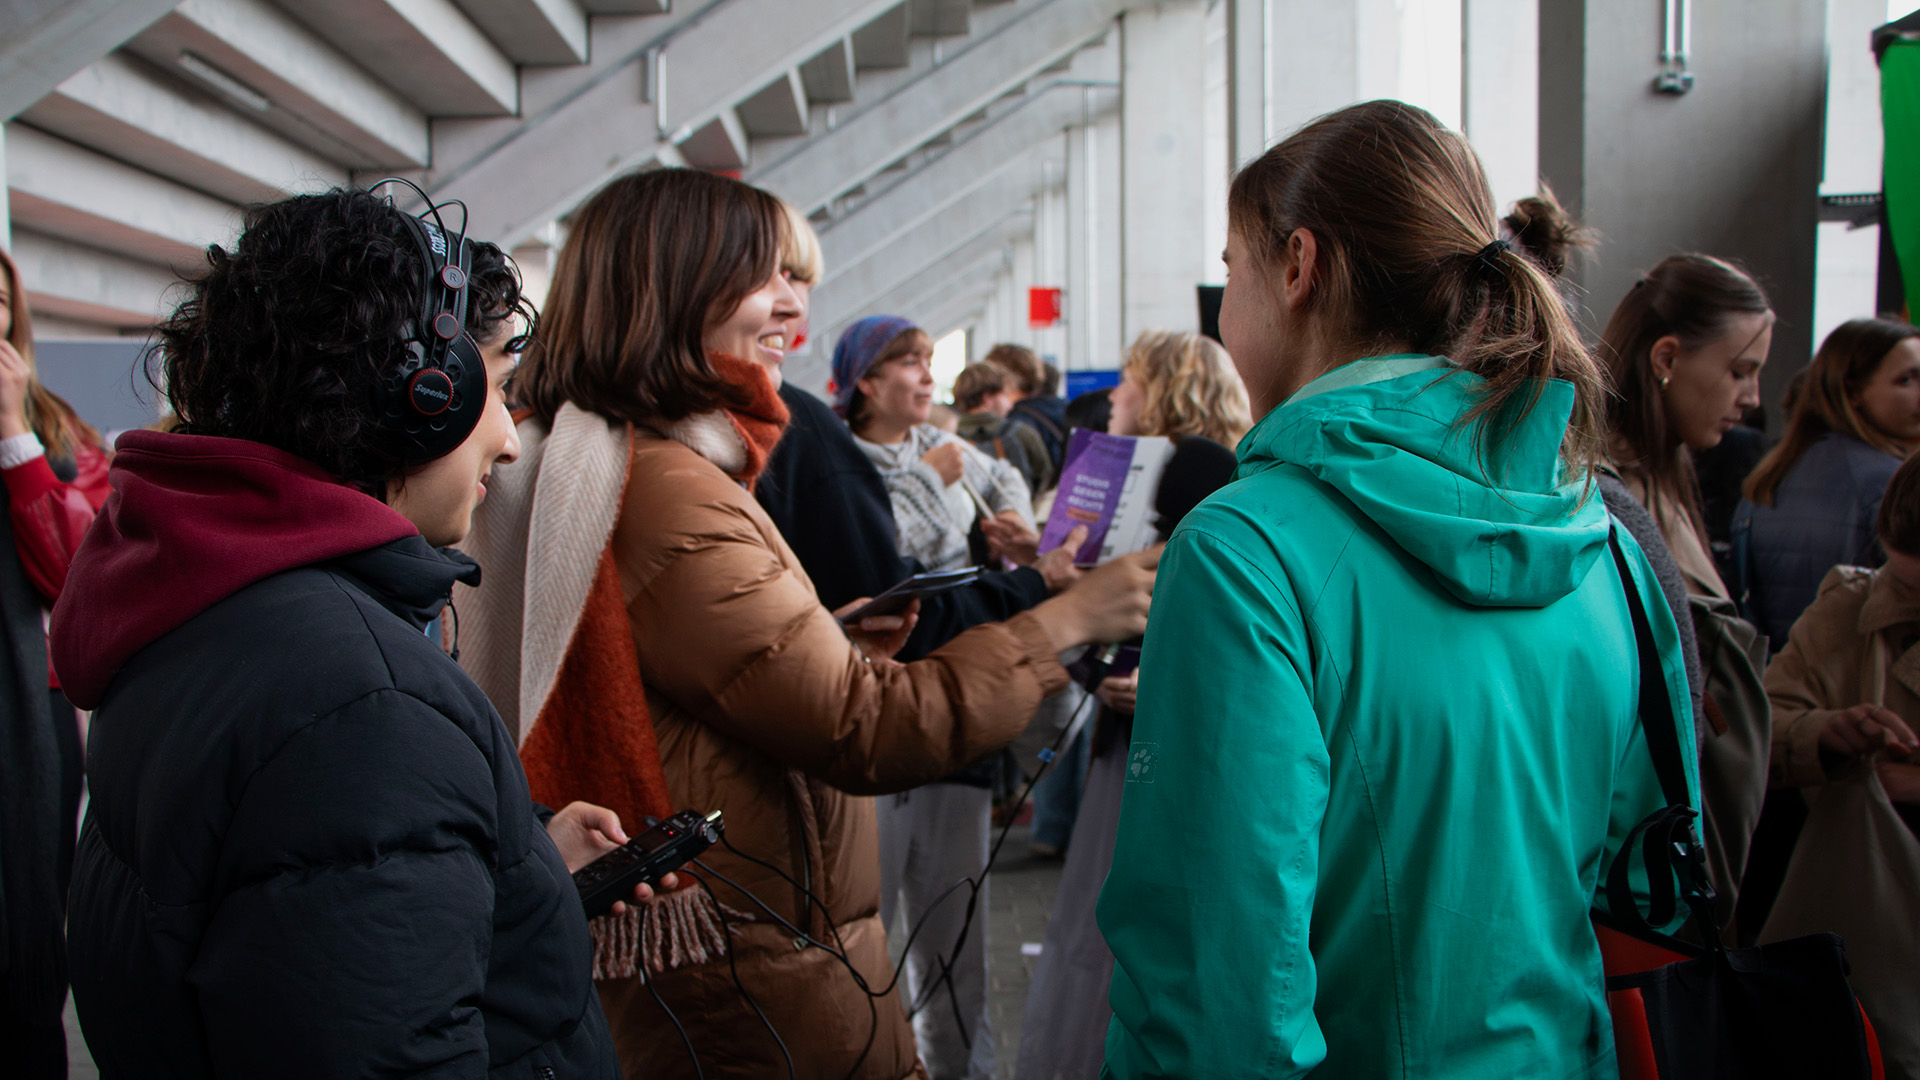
<point x="1664" y="380"/>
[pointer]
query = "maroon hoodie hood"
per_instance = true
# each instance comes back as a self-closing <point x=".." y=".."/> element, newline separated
<point x="191" y="521"/>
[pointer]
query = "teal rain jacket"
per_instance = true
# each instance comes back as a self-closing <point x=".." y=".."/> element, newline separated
<point x="1387" y="738"/>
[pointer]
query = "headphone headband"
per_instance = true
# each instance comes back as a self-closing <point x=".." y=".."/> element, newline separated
<point x="435" y="397"/>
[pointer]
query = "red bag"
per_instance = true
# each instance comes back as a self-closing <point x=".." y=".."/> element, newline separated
<point x="1686" y="1013"/>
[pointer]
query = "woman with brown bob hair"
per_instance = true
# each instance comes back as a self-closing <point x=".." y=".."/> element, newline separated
<point x="1393" y="653"/>
<point x="652" y="638"/>
<point x="1812" y="501"/>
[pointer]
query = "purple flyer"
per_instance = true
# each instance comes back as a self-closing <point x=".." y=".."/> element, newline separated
<point x="1091" y="484"/>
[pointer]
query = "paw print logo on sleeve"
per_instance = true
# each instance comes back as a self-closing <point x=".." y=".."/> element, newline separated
<point x="1141" y="763"/>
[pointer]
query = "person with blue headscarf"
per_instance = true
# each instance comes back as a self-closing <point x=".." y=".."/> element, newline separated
<point x="939" y="483"/>
<point x="930" y="837"/>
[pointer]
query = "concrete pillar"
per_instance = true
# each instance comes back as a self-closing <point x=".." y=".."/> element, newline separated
<point x="1313" y="61"/>
<point x="1109" y="311"/>
<point x="1163" y="201"/>
<point x="1249" y="80"/>
<point x="1731" y="168"/>
<point x="6" y="205"/>
<point x="1500" y="93"/>
<point x="1082" y="254"/>
<point x="1050" y="247"/>
<point x="1021" y="278"/>
<point x="1219" y="163"/>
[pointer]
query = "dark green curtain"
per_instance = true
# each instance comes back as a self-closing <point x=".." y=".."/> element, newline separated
<point x="1900" y="122"/>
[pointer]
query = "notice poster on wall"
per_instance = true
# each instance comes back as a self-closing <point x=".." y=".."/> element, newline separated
<point x="1107" y="485"/>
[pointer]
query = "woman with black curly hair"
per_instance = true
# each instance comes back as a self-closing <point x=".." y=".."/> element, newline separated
<point x="311" y="850"/>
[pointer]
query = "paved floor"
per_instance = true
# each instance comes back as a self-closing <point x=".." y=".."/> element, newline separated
<point x="1020" y="899"/>
<point x="1017" y="908"/>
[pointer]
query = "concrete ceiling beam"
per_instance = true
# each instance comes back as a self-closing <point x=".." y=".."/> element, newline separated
<point x="287" y="78"/>
<point x="518" y="177"/>
<point x="532" y="31"/>
<point x="719" y="144"/>
<point x="428" y="50"/>
<point x="849" y="290"/>
<point x="60" y="189"/>
<point x="779" y="108"/>
<point x="883" y="44"/>
<point x="829" y="76"/>
<point x="67" y="280"/>
<point x="627" y="7"/>
<point x="972" y="161"/>
<point x="43" y="42"/>
<point x="940" y="18"/>
<point x="986" y="66"/>
<point x="123" y="108"/>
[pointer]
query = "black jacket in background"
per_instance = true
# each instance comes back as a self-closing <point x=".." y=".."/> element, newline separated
<point x="832" y="507"/>
<point x="311" y="851"/>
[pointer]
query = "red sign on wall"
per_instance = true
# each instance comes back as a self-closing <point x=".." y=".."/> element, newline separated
<point x="1043" y="308"/>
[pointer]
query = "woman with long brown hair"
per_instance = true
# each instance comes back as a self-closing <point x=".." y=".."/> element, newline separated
<point x="54" y="467"/>
<point x="1684" y="350"/>
<point x="1387" y="697"/>
<point x="655" y="641"/>
<point x="1812" y="501"/>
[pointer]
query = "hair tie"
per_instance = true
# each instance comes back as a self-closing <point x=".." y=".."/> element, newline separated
<point x="1488" y="258"/>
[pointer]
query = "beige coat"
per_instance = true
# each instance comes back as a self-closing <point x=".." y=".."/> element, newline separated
<point x="762" y="709"/>
<point x="1855" y="644"/>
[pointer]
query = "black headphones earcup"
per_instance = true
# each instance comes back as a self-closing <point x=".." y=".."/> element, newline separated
<point x="437" y="407"/>
<point x="436" y="395"/>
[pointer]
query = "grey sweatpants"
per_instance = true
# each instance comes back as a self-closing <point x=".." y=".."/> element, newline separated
<point x="930" y="838"/>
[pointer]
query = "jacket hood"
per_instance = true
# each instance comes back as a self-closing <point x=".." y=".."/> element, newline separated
<point x="192" y="520"/>
<point x="1397" y="450"/>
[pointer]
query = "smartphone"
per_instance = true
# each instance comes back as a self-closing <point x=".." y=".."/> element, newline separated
<point x="896" y="599"/>
<point x="652" y="855"/>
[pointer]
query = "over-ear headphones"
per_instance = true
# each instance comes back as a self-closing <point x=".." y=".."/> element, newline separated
<point x="437" y="394"/>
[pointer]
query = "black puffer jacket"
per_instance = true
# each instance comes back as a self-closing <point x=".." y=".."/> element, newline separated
<point x="310" y="850"/>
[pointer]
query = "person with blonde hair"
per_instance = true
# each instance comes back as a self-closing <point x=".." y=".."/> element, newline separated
<point x="1179" y="384"/>
<point x="1811" y="502"/>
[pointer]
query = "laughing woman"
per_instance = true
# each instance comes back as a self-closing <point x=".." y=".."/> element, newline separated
<point x="1387" y="701"/>
<point x="655" y="640"/>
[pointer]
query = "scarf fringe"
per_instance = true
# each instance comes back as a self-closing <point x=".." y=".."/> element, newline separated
<point x="680" y="929"/>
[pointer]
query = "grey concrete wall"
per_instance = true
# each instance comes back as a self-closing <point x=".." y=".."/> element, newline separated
<point x="1731" y="168"/>
<point x="102" y="379"/>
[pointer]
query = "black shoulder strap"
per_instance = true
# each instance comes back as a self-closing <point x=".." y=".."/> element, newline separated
<point x="1656" y="704"/>
<point x="1669" y="844"/>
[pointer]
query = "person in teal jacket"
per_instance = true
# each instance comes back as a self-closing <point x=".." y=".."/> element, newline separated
<point x="1387" y="734"/>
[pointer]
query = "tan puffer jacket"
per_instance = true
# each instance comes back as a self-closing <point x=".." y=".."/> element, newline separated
<point x="765" y="711"/>
<point x="1854" y="645"/>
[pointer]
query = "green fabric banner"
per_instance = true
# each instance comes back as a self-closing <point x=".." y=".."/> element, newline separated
<point x="1900" y="123"/>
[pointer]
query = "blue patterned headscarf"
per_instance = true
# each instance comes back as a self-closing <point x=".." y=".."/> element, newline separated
<point x="859" y="347"/>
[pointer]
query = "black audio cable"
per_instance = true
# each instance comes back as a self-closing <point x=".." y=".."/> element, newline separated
<point x="839" y="952"/>
<point x="1047" y="758"/>
<point x="646" y="980"/>
<point x="726" y="932"/>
